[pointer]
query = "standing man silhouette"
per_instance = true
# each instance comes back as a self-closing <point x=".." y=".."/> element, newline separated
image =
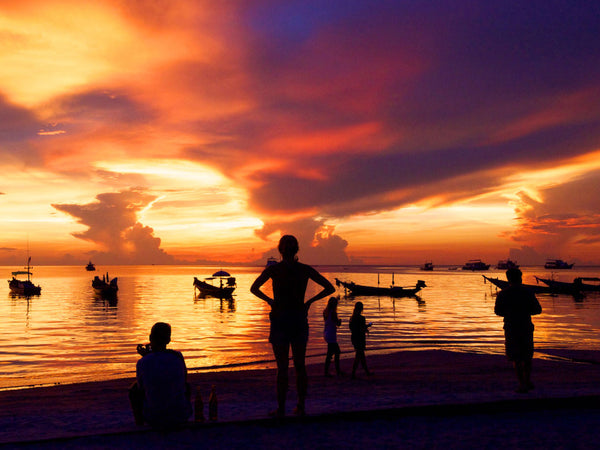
<point x="517" y="304"/>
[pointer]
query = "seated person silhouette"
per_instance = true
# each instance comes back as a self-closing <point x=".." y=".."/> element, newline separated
<point x="161" y="394"/>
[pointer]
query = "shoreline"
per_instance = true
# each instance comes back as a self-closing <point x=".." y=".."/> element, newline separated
<point x="402" y="381"/>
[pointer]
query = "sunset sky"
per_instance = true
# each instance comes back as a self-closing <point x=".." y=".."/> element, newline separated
<point x="378" y="132"/>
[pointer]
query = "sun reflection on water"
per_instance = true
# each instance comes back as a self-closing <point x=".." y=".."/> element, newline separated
<point x="69" y="334"/>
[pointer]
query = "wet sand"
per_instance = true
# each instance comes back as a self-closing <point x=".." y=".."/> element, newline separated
<point x="415" y="399"/>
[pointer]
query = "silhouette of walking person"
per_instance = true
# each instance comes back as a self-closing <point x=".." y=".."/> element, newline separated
<point x="289" y="319"/>
<point x="517" y="304"/>
<point x="332" y="322"/>
<point x="359" y="329"/>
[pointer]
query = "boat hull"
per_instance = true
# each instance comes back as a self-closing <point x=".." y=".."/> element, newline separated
<point x="393" y="291"/>
<point x="23" y="287"/>
<point x="104" y="289"/>
<point x="576" y="286"/>
<point x="212" y="290"/>
<point x="536" y="289"/>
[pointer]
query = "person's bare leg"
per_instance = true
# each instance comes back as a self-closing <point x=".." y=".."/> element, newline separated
<point x="355" y="364"/>
<point x="363" y="361"/>
<point x="520" y="370"/>
<point x="527" y="374"/>
<point x="281" y="352"/>
<point x="299" y="355"/>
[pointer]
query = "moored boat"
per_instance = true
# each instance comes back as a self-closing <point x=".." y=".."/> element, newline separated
<point x="23" y="287"/>
<point x="557" y="264"/>
<point x="506" y="264"/>
<point x="90" y="267"/>
<point x="503" y="284"/>
<point x="392" y="291"/>
<point x="224" y="289"/>
<point x="579" y="284"/>
<point x="475" y="264"/>
<point x="105" y="286"/>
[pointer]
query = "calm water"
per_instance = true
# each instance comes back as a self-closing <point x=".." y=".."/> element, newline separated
<point x="68" y="334"/>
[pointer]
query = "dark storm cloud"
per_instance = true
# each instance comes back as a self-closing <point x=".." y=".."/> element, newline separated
<point x="465" y="87"/>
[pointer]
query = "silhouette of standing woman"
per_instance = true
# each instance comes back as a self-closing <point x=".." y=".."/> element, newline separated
<point x="289" y="316"/>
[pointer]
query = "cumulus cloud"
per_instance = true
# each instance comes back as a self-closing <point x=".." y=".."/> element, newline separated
<point x="564" y="220"/>
<point x="318" y="242"/>
<point x="112" y="224"/>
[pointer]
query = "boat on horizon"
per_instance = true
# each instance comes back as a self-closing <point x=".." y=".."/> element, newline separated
<point x="90" y="267"/>
<point x="427" y="266"/>
<point x="271" y="261"/>
<point x="105" y="287"/>
<point x="224" y="289"/>
<point x="392" y="291"/>
<point x="475" y="264"/>
<point x="24" y="287"/>
<point x="506" y="264"/>
<point x="557" y="264"/>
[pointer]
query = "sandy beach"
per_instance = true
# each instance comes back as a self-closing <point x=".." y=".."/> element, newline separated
<point x="416" y="399"/>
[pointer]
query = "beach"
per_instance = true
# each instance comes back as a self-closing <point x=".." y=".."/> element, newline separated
<point x="414" y="399"/>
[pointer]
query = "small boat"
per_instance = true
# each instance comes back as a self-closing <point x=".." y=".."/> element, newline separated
<point x="427" y="266"/>
<point x="104" y="287"/>
<point x="506" y="264"/>
<point x="24" y="287"/>
<point x="503" y="284"/>
<point x="475" y="264"/>
<point x="579" y="284"/>
<point x="557" y="264"/>
<point x="271" y="261"/>
<point x="392" y="291"/>
<point x="90" y="267"/>
<point x="224" y="289"/>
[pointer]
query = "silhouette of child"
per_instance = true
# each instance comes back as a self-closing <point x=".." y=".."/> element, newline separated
<point x="332" y="321"/>
<point x="359" y="330"/>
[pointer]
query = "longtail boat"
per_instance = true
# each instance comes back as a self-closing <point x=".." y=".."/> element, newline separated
<point x="392" y="291"/>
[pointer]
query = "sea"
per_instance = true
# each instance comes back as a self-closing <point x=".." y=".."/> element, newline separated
<point x="68" y="334"/>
